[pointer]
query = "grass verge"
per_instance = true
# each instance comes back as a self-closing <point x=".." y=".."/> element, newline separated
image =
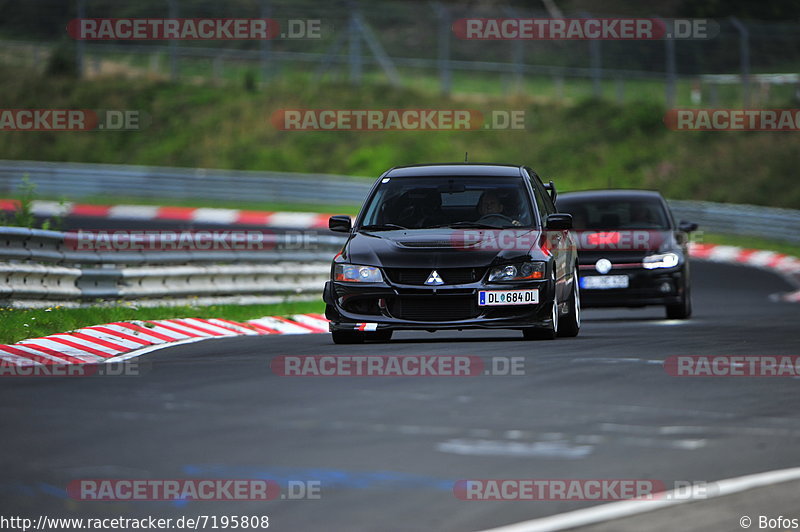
<point x="19" y="324"/>
<point x="580" y="144"/>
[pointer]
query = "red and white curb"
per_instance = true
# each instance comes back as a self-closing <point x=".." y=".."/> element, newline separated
<point x="294" y="220"/>
<point x="114" y="342"/>
<point x="779" y="263"/>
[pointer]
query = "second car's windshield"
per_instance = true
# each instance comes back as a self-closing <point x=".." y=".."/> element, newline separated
<point x="426" y="202"/>
<point x="615" y="214"/>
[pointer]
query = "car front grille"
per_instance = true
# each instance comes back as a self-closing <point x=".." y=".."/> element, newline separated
<point x="434" y="308"/>
<point x="418" y="276"/>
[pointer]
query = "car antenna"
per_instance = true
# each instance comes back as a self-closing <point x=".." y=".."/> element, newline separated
<point x="466" y="157"/>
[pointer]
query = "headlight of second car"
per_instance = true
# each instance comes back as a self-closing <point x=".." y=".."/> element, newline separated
<point x="524" y="271"/>
<point x="662" y="260"/>
<point x="353" y="273"/>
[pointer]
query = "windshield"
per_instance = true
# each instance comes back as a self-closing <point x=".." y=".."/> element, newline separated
<point x="605" y="214"/>
<point x="426" y="202"/>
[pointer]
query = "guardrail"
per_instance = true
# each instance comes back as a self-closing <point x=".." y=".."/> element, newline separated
<point x="745" y="220"/>
<point x="78" y="180"/>
<point x="40" y="265"/>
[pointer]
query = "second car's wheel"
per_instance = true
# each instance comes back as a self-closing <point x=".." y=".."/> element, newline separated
<point x="683" y="309"/>
<point x="548" y="332"/>
<point x="347" y="337"/>
<point x="570" y="325"/>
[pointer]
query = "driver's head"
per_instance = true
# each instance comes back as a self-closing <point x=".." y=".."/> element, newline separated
<point x="489" y="204"/>
<point x="640" y="213"/>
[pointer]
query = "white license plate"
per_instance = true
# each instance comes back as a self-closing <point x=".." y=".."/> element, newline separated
<point x="488" y="298"/>
<point x="604" y="282"/>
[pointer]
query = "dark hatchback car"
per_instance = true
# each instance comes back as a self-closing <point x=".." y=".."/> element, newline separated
<point x="631" y="252"/>
<point x="455" y="246"/>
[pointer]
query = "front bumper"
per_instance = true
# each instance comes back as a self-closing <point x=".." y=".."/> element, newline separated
<point x="661" y="286"/>
<point x="398" y="307"/>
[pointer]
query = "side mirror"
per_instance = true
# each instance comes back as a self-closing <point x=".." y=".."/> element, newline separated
<point x="559" y="222"/>
<point x="687" y="227"/>
<point x="552" y="189"/>
<point x="340" y="224"/>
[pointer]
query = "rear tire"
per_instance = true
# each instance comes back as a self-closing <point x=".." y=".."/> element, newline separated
<point x="682" y="310"/>
<point x="347" y="337"/>
<point x="570" y="325"/>
<point x="544" y="333"/>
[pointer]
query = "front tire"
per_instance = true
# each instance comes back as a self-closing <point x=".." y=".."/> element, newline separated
<point x="681" y="310"/>
<point x="347" y="337"/>
<point x="544" y="333"/>
<point x="380" y="337"/>
<point x="570" y="325"/>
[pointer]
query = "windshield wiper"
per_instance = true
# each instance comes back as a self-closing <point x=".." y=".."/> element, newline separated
<point x="471" y="225"/>
<point x="381" y="227"/>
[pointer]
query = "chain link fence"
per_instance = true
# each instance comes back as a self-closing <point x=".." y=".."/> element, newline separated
<point x="413" y="44"/>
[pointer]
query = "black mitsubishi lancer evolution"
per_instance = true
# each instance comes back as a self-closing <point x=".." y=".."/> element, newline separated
<point x="455" y="246"/>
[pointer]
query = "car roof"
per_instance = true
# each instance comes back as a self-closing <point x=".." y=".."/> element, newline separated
<point x="456" y="169"/>
<point x="620" y="194"/>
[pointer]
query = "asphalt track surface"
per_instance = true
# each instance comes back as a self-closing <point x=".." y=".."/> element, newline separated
<point x="387" y="451"/>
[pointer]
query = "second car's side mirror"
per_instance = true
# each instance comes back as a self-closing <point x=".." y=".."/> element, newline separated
<point x="559" y="222"/>
<point x="340" y="224"/>
<point x="687" y="227"/>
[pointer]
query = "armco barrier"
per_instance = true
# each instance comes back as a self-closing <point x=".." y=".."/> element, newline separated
<point x="746" y="220"/>
<point x="37" y="265"/>
<point x="79" y="180"/>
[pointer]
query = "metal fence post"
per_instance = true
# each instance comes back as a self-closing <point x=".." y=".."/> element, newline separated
<point x="355" y="47"/>
<point x="80" y="47"/>
<point x="671" y="86"/>
<point x="558" y="83"/>
<point x="173" y="45"/>
<point x="516" y="53"/>
<point x="265" y="46"/>
<point x="443" y="47"/>
<point x="596" y="58"/>
<point x="744" y="55"/>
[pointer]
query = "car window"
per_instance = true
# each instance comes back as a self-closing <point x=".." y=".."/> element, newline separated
<point x="540" y="204"/>
<point x="542" y="195"/>
<point x="604" y="214"/>
<point x="424" y="202"/>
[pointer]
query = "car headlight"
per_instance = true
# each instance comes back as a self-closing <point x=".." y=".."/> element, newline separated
<point x="518" y="272"/>
<point x="662" y="260"/>
<point x="353" y="273"/>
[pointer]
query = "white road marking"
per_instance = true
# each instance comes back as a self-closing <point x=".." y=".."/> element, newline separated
<point x="514" y="448"/>
<point x="620" y="509"/>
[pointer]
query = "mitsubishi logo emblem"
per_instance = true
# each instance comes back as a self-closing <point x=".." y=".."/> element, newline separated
<point x="434" y="279"/>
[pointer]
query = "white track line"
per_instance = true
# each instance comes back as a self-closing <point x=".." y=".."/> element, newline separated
<point x="133" y="212"/>
<point x="618" y="510"/>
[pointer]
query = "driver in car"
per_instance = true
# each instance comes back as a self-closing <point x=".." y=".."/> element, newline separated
<point x="490" y="204"/>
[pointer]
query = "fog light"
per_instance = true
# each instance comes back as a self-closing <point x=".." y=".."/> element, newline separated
<point x="666" y="287"/>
